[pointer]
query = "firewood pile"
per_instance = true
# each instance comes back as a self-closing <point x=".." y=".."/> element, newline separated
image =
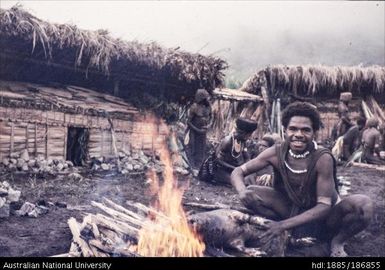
<point x="22" y="162"/>
<point x="7" y="196"/>
<point x="113" y="233"/>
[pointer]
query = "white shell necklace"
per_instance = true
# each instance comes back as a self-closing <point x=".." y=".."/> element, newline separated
<point x="294" y="171"/>
<point x="236" y="148"/>
<point x="299" y="156"/>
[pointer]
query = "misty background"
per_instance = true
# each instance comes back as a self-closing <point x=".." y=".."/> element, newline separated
<point x="249" y="35"/>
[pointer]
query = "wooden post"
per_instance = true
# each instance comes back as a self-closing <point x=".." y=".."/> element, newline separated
<point x="102" y="142"/>
<point x="116" y="87"/>
<point x="26" y="137"/>
<point x="11" y="148"/>
<point x="46" y="141"/>
<point x="65" y="142"/>
<point x="35" y="140"/>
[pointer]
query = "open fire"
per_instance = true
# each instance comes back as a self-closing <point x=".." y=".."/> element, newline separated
<point x="172" y="237"/>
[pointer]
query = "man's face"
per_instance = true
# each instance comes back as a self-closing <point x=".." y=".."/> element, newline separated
<point x="242" y="135"/>
<point x="262" y="145"/>
<point x="299" y="133"/>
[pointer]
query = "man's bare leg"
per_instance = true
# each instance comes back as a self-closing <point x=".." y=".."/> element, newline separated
<point x="352" y="215"/>
<point x="271" y="203"/>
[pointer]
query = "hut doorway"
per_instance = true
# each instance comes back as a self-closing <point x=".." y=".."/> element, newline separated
<point x="77" y="141"/>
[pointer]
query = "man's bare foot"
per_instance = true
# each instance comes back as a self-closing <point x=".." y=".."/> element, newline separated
<point x="337" y="250"/>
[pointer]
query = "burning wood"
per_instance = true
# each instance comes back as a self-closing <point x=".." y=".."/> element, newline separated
<point x="177" y="238"/>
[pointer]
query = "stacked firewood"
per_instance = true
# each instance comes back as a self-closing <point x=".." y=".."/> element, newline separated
<point x="112" y="234"/>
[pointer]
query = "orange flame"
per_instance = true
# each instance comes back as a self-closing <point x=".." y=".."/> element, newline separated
<point x="168" y="234"/>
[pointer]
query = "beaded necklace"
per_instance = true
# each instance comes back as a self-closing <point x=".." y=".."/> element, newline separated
<point x="236" y="148"/>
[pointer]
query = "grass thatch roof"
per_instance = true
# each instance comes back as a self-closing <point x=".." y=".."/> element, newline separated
<point x="319" y="81"/>
<point x="66" y="45"/>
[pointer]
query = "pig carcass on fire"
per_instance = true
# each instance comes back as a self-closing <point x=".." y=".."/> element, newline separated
<point x="233" y="230"/>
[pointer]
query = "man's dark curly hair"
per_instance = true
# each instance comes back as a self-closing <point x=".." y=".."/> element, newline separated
<point x="302" y="109"/>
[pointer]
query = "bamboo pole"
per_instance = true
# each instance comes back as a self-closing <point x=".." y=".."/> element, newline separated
<point x="65" y="143"/>
<point x="46" y="141"/>
<point x="279" y="123"/>
<point x="369" y="166"/>
<point x="11" y="148"/>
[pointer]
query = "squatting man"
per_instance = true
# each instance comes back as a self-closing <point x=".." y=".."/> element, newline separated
<point x="304" y="196"/>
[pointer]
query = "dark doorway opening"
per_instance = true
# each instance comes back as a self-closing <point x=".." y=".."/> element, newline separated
<point x="77" y="142"/>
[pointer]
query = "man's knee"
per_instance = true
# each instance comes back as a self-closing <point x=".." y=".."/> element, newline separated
<point x="366" y="207"/>
<point x="361" y="206"/>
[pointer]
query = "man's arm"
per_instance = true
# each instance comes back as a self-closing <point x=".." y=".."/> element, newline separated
<point x="261" y="161"/>
<point x="224" y="148"/>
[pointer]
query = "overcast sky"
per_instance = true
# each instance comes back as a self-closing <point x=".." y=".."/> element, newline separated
<point x="248" y="34"/>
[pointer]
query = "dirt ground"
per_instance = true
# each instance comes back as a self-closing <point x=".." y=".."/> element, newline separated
<point x="49" y="234"/>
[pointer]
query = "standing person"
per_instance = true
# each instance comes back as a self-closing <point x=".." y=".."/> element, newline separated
<point x="304" y="197"/>
<point x="199" y="120"/>
<point x="344" y="122"/>
<point x="352" y="139"/>
<point x="371" y="141"/>
<point x="382" y="132"/>
<point x="231" y="151"/>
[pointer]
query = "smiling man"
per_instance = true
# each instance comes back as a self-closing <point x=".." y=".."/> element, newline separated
<point x="304" y="198"/>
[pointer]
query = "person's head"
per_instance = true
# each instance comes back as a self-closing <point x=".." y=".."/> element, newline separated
<point x="202" y="96"/>
<point x="244" y="128"/>
<point x="372" y="122"/>
<point x="301" y="121"/>
<point x="345" y="97"/>
<point x="382" y="128"/>
<point x="266" y="142"/>
<point x="361" y="121"/>
<point x="277" y="138"/>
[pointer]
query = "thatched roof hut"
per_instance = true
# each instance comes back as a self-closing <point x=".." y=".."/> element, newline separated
<point x="38" y="51"/>
<point x="322" y="86"/>
<point x="62" y="86"/>
<point x="318" y="81"/>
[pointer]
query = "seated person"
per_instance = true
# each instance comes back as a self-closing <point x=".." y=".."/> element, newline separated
<point x="371" y="140"/>
<point x="304" y="197"/>
<point x="231" y="151"/>
<point x="352" y="139"/>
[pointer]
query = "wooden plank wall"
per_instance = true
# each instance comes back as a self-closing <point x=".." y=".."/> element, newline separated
<point x="45" y="133"/>
<point x="143" y="135"/>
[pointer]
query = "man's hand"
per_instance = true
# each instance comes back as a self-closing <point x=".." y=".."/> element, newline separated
<point x="249" y="198"/>
<point x="275" y="229"/>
